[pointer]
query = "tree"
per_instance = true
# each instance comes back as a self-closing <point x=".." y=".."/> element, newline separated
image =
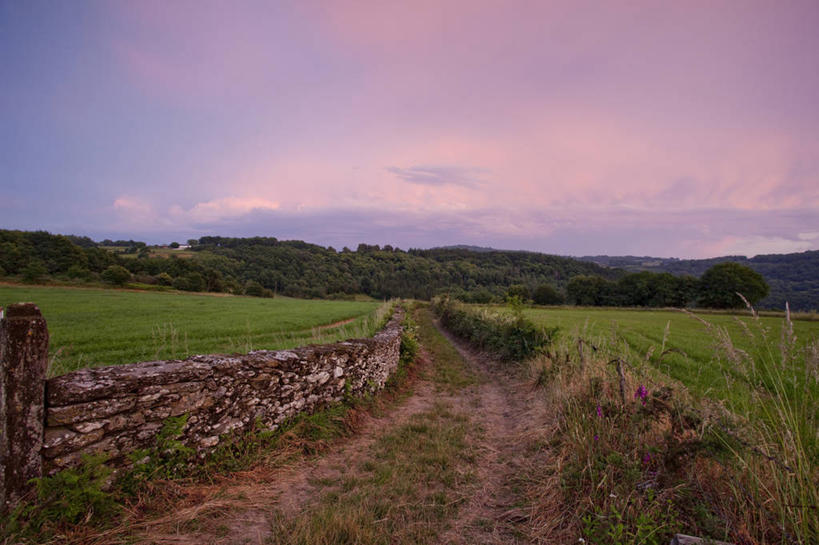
<point x="117" y="275"/>
<point x="34" y="271"/>
<point x="192" y="281"/>
<point x="590" y="290"/>
<point x="546" y="294"/>
<point x="720" y="285"/>
<point x="518" y="290"/>
<point x="173" y="245"/>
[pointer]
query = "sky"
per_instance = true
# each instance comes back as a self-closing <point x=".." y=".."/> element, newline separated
<point x="672" y="129"/>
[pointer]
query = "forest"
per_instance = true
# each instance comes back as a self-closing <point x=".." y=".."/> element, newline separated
<point x="792" y="277"/>
<point x="266" y="266"/>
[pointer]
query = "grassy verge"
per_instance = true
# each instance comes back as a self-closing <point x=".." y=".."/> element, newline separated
<point x="93" y="327"/>
<point x="638" y="458"/>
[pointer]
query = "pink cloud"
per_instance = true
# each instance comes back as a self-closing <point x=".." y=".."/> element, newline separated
<point x="221" y="209"/>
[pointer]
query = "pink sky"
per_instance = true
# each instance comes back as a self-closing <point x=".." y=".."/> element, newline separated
<point x="685" y="129"/>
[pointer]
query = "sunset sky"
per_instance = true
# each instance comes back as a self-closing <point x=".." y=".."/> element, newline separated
<point x="687" y="129"/>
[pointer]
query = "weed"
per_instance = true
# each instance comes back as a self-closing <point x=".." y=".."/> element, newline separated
<point x="70" y="496"/>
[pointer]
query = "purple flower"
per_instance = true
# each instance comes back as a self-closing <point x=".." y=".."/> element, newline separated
<point x="641" y="393"/>
<point x="599" y="412"/>
<point x="647" y="458"/>
<point x="596" y="438"/>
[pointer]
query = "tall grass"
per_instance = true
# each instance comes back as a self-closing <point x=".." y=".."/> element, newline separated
<point x="661" y="460"/>
<point x="776" y="437"/>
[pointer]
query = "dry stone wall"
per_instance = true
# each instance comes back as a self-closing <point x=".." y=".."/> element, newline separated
<point x="47" y="425"/>
<point x="119" y="409"/>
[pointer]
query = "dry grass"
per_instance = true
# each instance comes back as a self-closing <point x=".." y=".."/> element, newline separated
<point x="634" y="472"/>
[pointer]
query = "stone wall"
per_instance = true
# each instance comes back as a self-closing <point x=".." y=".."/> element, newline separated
<point x="118" y="409"/>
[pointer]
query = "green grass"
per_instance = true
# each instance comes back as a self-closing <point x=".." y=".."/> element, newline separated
<point x="449" y="372"/>
<point x="96" y="327"/>
<point x="640" y="331"/>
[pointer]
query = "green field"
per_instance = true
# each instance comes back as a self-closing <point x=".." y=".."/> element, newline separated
<point x="96" y="327"/>
<point x="700" y="366"/>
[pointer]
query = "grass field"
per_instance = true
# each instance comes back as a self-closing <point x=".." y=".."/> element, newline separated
<point x="96" y="327"/>
<point x="695" y="360"/>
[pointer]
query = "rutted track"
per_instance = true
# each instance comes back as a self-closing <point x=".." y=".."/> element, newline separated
<point x="489" y="505"/>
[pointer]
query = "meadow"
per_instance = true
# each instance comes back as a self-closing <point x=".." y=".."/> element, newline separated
<point x="691" y="347"/>
<point x="97" y="327"/>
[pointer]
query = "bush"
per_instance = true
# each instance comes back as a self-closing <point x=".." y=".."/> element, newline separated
<point x="546" y="294"/>
<point x="77" y="272"/>
<point x="512" y="337"/>
<point x="117" y="275"/>
<point x="254" y="289"/>
<point x="164" y="279"/>
<point x="518" y="290"/>
<point x="190" y="282"/>
<point x="34" y="271"/>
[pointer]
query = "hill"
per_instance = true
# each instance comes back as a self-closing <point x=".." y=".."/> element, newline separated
<point x="793" y="277"/>
<point x="266" y="265"/>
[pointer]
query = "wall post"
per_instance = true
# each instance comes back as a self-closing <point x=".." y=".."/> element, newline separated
<point x="23" y="363"/>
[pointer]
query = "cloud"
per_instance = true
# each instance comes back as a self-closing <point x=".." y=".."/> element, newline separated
<point x="566" y="230"/>
<point x="222" y="209"/>
<point x="439" y="175"/>
<point x="756" y="245"/>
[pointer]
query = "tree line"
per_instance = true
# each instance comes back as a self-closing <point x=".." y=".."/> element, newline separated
<point x="265" y="266"/>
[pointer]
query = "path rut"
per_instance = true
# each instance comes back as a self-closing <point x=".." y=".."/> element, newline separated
<point x="503" y="408"/>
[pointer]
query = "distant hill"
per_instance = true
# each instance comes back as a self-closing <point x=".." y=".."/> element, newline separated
<point x="793" y="277"/>
<point x="266" y="265"/>
<point x="468" y="247"/>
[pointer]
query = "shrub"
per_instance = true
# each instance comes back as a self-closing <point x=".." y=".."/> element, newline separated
<point x="77" y="272"/>
<point x="546" y="294"/>
<point x="254" y="289"/>
<point x="164" y="279"/>
<point x="34" y="271"/>
<point x="518" y="290"/>
<point x="116" y="275"/>
<point x="512" y="337"/>
<point x="190" y="282"/>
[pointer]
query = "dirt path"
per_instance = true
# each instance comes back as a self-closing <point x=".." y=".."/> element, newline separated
<point x="491" y="508"/>
<point x="506" y="409"/>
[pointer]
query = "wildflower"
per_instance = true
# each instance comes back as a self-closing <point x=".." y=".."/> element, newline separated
<point x="641" y="393"/>
<point x="599" y="411"/>
<point x="581" y="540"/>
<point x="647" y="458"/>
<point x="596" y="438"/>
